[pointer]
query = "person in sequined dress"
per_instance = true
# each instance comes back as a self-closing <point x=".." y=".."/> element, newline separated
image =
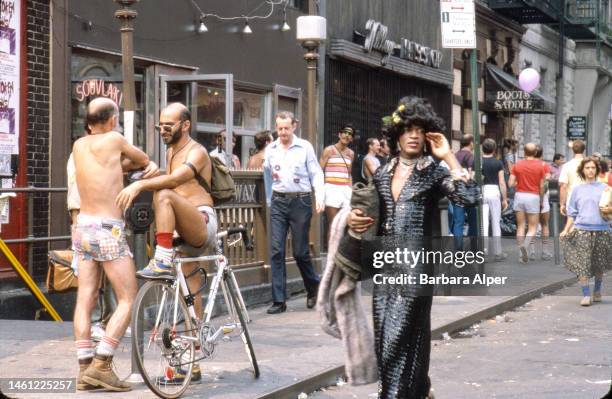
<point x="409" y="188"/>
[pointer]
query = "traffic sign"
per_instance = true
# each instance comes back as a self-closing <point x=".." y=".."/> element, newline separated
<point x="458" y="22"/>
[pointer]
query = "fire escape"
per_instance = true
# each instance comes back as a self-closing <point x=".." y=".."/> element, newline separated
<point x="580" y="20"/>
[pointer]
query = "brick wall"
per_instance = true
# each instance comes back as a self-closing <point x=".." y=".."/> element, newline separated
<point x="38" y="50"/>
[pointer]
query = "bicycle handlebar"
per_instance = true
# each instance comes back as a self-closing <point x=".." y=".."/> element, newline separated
<point x="248" y="244"/>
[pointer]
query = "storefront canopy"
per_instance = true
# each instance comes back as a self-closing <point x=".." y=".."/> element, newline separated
<point x="504" y="94"/>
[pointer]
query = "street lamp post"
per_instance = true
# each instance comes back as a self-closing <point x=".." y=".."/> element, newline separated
<point x="127" y="15"/>
<point x="311" y="31"/>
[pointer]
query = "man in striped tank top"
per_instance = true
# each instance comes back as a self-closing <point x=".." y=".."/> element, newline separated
<point x="336" y="164"/>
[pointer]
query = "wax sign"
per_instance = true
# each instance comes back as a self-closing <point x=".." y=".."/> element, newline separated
<point x="10" y="58"/>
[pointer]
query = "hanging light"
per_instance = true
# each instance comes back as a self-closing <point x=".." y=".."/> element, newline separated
<point x="247" y="29"/>
<point x="285" y="26"/>
<point x="202" y="28"/>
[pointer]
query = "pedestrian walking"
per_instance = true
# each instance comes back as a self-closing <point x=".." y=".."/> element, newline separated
<point x="385" y="151"/>
<point x="544" y="212"/>
<point x="555" y="167"/>
<point x="409" y="188"/>
<point x="262" y="139"/>
<point x="528" y="177"/>
<point x="230" y="160"/>
<point x="586" y="238"/>
<point x="370" y="161"/>
<point x="509" y="148"/>
<point x="295" y="172"/>
<point x="569" y="177"/>
<point x="494" y="196"/>
<point x="461" y="214"/>
<point x="604" y="176"/>
<point x="336" y="163"/>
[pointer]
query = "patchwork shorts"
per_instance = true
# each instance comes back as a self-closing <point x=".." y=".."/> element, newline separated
<point x="100" y="239"/>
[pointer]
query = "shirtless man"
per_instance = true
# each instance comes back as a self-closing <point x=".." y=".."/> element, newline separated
<point x="180" y="202"/>
<point x="99" y="238"/>
<point x="336" y="163"/>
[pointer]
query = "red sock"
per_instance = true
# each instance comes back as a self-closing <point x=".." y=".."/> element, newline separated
<point x="164" y="240"/>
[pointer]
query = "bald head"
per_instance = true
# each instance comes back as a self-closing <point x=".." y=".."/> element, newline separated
<point x="100" y="111"/>
<point x="177" y="111"/>
<point x="530" y="149"/>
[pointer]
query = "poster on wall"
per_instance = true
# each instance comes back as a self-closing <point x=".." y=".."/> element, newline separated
<point x="10" y="17"/>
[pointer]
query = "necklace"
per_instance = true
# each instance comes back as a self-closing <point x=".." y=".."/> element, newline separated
<point x="410" y="162"/>
<point x="174" y="153"/>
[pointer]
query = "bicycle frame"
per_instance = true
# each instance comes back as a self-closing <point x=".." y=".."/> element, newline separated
<point x="181" y="288"/>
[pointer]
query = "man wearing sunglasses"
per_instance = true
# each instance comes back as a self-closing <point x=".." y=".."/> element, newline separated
<point x="336" y="163"/>
<point x="181" y="203"/>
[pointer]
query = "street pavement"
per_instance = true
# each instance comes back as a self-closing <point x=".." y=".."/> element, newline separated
<point x="290" y="347"/>
<point x="548" y="348"/>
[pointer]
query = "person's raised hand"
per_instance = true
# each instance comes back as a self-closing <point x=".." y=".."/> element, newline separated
<point x="358" y="222"/>
<point x="126" y="196"/>
<point x="151" y="170"/>
<point x="438" y="145"/>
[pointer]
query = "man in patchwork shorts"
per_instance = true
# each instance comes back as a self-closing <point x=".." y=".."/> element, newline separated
<point x="99" y="239"/>
<point x="181" y="204"/>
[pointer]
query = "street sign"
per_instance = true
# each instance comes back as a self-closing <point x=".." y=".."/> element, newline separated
<point x="577" y="127"/>
<point x="458" y="23"/>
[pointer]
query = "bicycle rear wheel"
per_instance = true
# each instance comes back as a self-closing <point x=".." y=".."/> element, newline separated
<point x="244" y="335"/>
<point x="164" y="345"/>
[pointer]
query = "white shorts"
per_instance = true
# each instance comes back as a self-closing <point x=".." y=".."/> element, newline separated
<point x="546" y="204"/>
<point x="526" y="202"/>
<point x="337" y="196"/>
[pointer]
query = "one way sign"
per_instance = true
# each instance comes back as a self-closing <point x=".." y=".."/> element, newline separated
<point x="458" y="23"/>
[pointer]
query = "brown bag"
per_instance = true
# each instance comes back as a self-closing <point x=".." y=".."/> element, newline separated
<point x="60" y="276"/>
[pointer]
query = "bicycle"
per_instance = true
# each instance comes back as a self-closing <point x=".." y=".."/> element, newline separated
<point x="166" y="330"/>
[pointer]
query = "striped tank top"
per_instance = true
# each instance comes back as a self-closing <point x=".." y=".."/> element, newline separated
<point x="337" y="169"/>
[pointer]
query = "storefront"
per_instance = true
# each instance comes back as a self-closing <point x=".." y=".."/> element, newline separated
<point x="230" y="80"/>
<point x="374" y="58"/>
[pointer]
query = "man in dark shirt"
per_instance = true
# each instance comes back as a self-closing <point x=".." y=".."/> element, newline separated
<point x="466" y="160"/>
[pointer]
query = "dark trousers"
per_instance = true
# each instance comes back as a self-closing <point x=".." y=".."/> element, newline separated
<point x="294" y="213"/>
<point x="460" y="216"/>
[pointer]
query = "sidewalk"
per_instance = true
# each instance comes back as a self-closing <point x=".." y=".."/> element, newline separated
<point x="294" y="354"/>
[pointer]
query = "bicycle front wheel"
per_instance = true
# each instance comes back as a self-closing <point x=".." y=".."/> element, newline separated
<point x="162" y="339"/>
<point x="244" y="334"/>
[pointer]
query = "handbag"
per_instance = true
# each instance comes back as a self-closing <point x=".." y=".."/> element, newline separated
<point x="60" y="276"/>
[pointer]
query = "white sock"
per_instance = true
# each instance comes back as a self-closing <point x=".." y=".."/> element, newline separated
<point x="163" y="254"/>
<point x="85" y="349"/>
<point x="107" y="346"/>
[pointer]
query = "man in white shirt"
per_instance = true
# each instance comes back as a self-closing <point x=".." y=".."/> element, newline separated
<point x="569" y="177"/>
<point x="232" y="160"/>
<point x="294" y="170"/>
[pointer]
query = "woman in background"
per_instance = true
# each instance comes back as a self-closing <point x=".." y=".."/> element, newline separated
<point x="586" y="238"/>
<point x="262" y="139"/>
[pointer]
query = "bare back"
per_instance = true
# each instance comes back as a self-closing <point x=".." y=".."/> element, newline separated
<point x="99" y="176"/>
<point x="191" y="189"/>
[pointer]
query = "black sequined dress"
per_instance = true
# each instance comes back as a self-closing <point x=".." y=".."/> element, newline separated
<point x="402" y="313"/>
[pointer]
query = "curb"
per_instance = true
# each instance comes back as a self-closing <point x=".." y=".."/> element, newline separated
<point x="330" y="376"/>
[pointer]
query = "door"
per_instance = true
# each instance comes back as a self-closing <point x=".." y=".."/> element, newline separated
<point x="210" y="100"/>
<point x="288" y="99"/>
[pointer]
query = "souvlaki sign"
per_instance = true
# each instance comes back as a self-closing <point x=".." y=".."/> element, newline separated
<point x="376" y="39"/>
<point x="98" y="88"/>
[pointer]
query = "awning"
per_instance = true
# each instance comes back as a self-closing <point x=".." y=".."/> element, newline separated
<point x="504" y="94"/>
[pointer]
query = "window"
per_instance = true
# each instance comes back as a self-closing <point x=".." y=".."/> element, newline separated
<point x="98" y="75"/>
<point x="301" y="5"/>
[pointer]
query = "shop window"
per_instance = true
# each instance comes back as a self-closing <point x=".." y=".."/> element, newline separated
<point x="301" y="5"/>
<point x="250" y="111"/>
<point x="98" y="75"/>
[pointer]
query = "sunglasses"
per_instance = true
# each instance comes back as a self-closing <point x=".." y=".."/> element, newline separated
<point x="167" y="127"/>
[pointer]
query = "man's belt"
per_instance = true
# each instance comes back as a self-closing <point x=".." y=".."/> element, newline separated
<point x="290" y="195"/>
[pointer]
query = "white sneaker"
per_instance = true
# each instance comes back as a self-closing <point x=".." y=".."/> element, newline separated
<point x="586" y="301"/>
